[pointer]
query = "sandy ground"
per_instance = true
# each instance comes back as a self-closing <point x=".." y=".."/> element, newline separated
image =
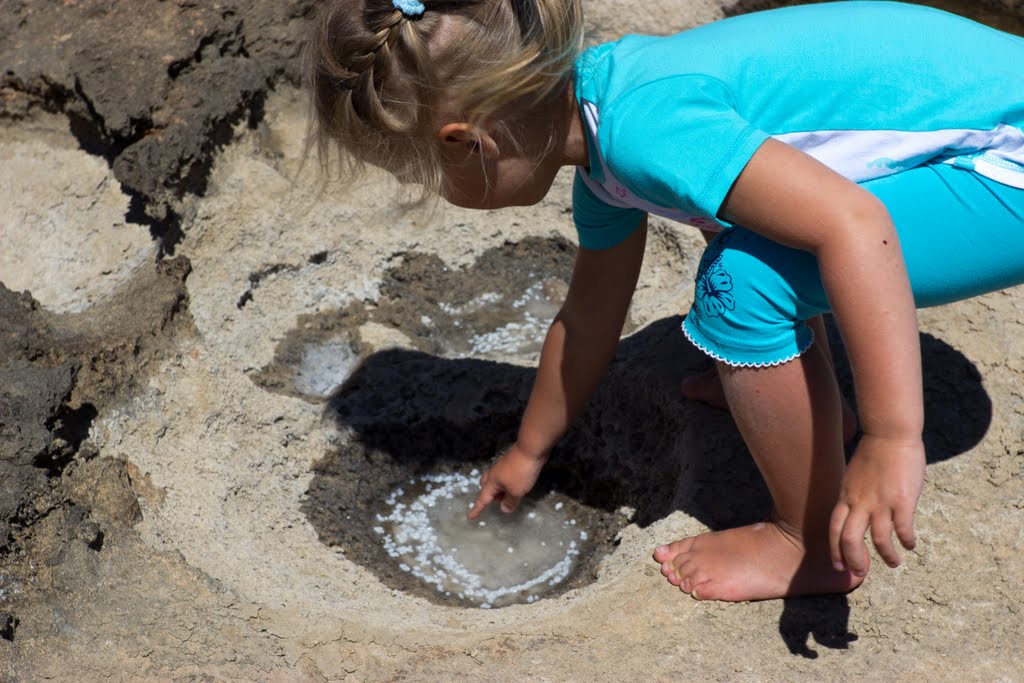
<point x="177" y="502"/>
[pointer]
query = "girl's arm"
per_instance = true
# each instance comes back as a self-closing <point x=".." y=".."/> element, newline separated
<point x="577" y="350"/>
<point x="793" y="199"/>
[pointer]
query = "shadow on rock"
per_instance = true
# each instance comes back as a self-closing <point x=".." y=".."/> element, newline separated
<point x="826" y="619"/>
<point x="413" y="413"/>
<point x="638" y="445"/>
<point x="410" y="413"/>
<point x="957" y="409"/>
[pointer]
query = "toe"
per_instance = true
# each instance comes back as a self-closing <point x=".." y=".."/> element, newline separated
<point x="685" y="571"/>
<point x="700" y="589"/>
<point x="669" y="572"/>
<point x="666" y="553"/>
<point x="693" y="572"/>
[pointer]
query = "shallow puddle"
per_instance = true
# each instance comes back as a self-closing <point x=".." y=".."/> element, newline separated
<point x="496" y="560"/>
<point x="496" y="325"/>
<point x="497" y="309"/>
<point x="433" y="378"/>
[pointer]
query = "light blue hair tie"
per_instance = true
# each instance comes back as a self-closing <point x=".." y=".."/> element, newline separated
<point x="410" y="8"/>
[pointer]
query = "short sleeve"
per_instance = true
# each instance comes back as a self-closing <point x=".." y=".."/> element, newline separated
<point x="600" y="225"/>
<point x="679" y="142"/>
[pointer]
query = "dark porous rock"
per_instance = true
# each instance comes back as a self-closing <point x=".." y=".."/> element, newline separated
<point x="155" y="87"/>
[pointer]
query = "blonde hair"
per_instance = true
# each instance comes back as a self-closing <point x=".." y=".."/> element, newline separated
<point x="378" y="77"/>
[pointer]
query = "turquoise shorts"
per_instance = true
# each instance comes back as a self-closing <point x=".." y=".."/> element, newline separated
<point x="962" y="235"/>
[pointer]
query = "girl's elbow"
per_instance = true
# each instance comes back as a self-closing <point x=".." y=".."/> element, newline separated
<point x="869" y="212"/>
<point x="862" y="222"/>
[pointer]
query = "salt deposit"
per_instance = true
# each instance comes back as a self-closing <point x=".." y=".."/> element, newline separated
<point x="324" y="367"/>
<point x="522" y="336"/>
<point x="497" y="560"/>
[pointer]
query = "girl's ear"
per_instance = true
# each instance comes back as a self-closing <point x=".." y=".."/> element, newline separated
<point x="471" y="139"/>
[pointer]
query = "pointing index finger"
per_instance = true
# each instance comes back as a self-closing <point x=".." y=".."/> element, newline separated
<point x="481" y="502"/>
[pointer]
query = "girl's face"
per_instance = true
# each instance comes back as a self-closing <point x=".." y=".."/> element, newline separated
<point x="490" y="172"/>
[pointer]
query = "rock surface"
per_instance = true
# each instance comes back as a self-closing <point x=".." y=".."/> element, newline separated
<point x="185" y="495"/>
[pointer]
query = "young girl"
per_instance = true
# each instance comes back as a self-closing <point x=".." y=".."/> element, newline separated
<point x="858" y="157"/>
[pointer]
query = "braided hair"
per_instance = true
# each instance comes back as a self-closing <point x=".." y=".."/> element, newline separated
<point x="379" y="77"/>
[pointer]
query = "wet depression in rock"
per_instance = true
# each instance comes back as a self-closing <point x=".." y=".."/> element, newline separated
<point x="496" y="560"/>
<point x="498" y="308"/>
<point x="431" y="410"/>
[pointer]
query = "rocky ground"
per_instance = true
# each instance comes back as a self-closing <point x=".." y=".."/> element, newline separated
<point x="185" y="494"/>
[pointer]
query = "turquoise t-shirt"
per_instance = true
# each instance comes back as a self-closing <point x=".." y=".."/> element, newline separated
<point x="869" y="88"/>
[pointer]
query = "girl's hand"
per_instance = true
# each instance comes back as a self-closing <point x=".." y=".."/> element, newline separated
<point x="507" y="481"/>
<point x="880" y="489"/>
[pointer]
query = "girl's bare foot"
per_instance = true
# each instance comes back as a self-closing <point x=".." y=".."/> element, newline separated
<point x="757" y="562"/>
<point x="707" y="388"/>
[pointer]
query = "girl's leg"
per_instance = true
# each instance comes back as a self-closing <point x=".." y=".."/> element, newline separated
<point x="802" y="463"/>
<point x="786" y="404"/>
<point x="961" y="235"/>
<point x="706" y="386"/>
